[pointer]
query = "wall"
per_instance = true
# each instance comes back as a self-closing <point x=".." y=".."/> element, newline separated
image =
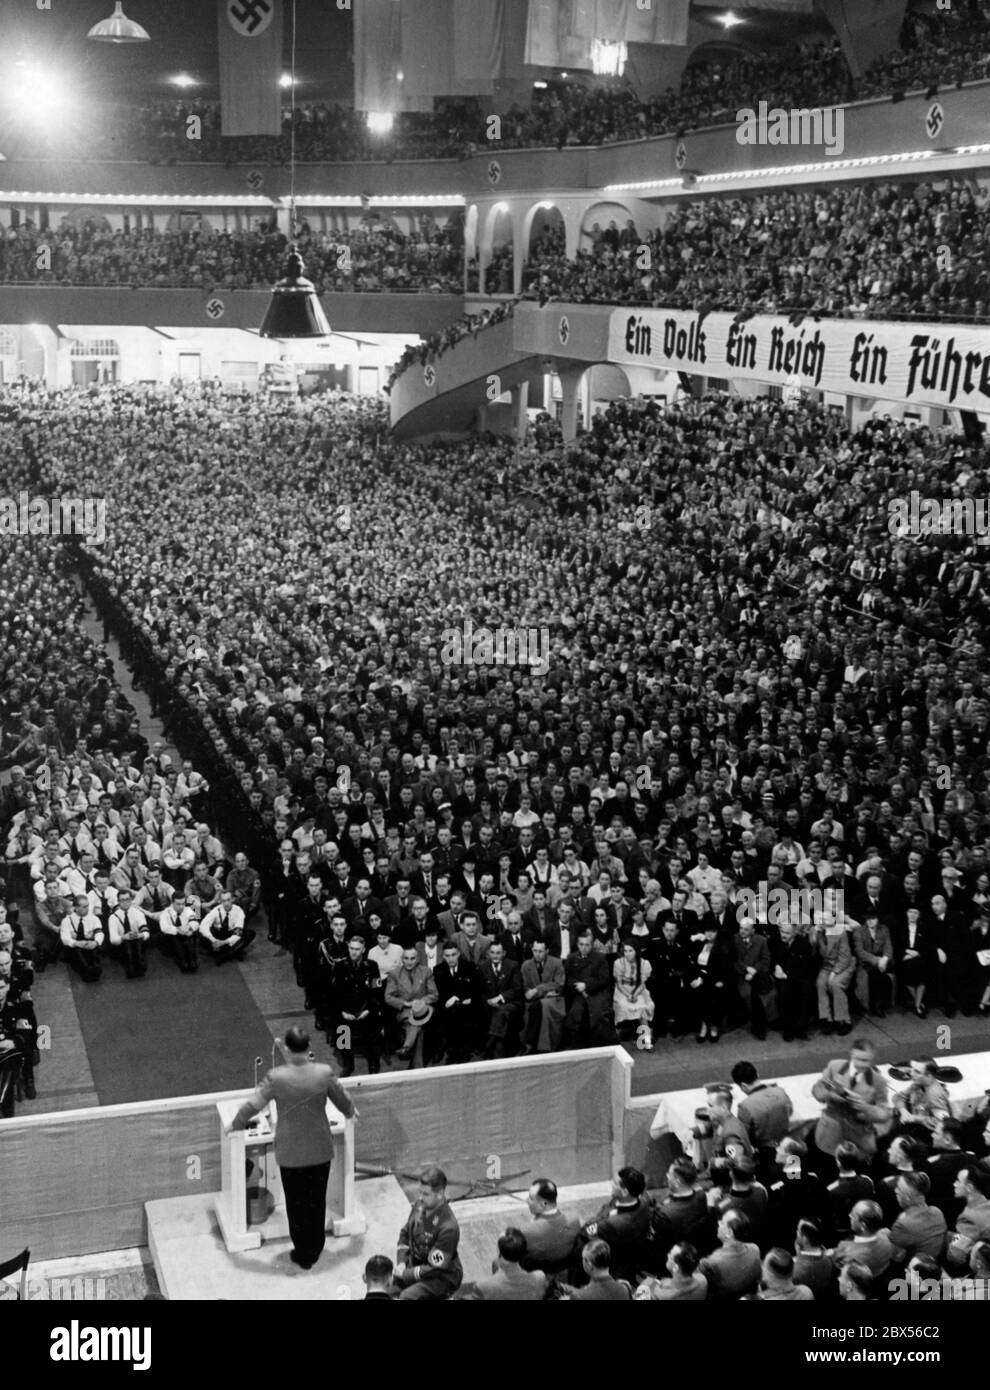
<point x="76" y="1183"/>
<point x="877" y="127"/>
<point x="413" y="314"/>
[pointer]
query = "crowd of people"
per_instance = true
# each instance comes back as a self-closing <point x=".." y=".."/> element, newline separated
<point x="105" y="850"/>
<point x="794" y="701"/>
<point x="372" y="257"/>
<point x="749" y="1210"/>
<point x="939" y="49"/>
<point x="874" y="249"/>
<point x="877" y="249"/>
<point x="432" y="347"/>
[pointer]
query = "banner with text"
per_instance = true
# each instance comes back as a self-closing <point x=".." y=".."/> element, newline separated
<point x="922" y="363"/>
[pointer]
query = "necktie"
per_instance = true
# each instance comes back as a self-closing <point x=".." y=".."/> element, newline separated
<point x="80" y="930"/>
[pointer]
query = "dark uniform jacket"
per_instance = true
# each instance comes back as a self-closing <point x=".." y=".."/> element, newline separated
<point x="428" y="1246"/>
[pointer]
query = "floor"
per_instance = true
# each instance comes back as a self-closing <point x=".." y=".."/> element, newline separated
<point x="130" y="1275"/>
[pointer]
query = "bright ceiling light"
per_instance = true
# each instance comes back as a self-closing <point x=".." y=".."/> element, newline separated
<point x="381" y="122"/>
<point x="287" y="80"/>
<point x="41" y="98"/>
<point x="119" y="29"/>
<point x="182" y="79"/>
<point x="729" y="20"/>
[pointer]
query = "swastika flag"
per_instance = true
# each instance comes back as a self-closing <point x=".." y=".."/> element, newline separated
<point x="250" y="66"/>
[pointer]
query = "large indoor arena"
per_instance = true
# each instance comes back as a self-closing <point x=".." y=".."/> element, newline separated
<point x="494" y="622"/>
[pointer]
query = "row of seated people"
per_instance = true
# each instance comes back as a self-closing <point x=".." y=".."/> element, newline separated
<point x="56" y="690"/>
<point x="831" y="682"/>
<point x="947" y="46"/>
<point x="83" y="804"/>
<point x="752" y="1219"/>
<point x="374" y="257"/>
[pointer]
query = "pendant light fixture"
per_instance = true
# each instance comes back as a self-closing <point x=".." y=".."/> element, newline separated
<point x="119" y="29"/>
<point x="295" y="310"/>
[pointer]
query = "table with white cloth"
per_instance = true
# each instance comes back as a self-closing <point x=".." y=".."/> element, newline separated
<point x="675" y="1113"/>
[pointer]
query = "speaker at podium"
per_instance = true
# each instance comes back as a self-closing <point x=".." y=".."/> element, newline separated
<point x="243" y="1150"/>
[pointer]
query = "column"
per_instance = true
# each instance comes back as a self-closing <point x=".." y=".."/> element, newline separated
<point x="571" y="377"/>
<point x="520" y="404"/>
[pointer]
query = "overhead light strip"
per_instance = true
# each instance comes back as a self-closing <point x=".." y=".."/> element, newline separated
<point x="776" y="171"/>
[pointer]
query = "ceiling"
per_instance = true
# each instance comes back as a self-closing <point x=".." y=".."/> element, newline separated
<point x="184" y="40"/>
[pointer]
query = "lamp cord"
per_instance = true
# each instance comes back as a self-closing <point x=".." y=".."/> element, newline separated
<point x="292" y="134"/>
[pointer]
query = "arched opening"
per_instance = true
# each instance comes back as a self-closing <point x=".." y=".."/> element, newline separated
<point x="77" y="219"/>
<point x="471" y="248"/>
<point x="603" y="222"/>
<point x="501" y="262"/>
<point x="606" y="383"/>
<point x="546" y="242"/>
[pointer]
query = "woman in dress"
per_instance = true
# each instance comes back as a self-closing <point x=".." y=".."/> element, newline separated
<point x="631" y="1000"/>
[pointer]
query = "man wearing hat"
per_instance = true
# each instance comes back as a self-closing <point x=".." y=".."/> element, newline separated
<point x="411" y="992"/>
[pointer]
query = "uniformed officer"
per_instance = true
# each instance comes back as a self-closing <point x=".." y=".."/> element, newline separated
<point x="428" y="1265"/>
<point x="18" y="1037"/>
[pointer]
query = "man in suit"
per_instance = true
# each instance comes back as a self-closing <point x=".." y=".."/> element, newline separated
<point x="410" y="991"/>
<point x="303" y="1142"/>
<point x="550" y="1236"/>
<point x="502" y="991"/>
<point x="543" y="989"/>
<point x="358" y="908"/>
<point x="587" y="995"/>
<point x="516" y="939"/>
<point x="855" y="1096"/>
<point x="753" y="973"/>
<point x="458" y="1003"/>
<point x="874" y="952"/>
<point x="509" y="1282"/>
<point x="450" y="921"/>
<point x="794" y="968"/>
<point x="470" y="941"/>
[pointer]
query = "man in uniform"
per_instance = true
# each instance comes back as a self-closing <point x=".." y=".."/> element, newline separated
<point x="18" y="1036"/>
<point x="355" y="1017"/>
<point x="303" y="1141"/>
<point x="428" y="1266"/>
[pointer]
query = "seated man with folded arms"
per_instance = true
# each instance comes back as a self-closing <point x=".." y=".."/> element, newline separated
<point x="129" y="934"/>
<point x="224" y="931"/>
<point x="180" y="932"/>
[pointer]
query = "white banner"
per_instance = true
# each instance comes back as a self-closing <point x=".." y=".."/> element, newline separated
<point x="923" y="363"/>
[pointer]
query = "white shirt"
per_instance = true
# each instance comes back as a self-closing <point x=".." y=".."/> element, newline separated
<point x="235" y="920"/>
<point x="131" y="920"/>
<point x="92" y="929"/>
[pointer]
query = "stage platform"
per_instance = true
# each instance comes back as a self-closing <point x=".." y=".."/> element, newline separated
<point x="192" y="1263"/>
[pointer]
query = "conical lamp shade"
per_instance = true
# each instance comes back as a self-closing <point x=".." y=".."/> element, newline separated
<point x="119" y="29"/>
<point x="295" y="310"/>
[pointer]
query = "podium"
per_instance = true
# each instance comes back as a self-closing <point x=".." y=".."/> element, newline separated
<point x="257" y="1144"/>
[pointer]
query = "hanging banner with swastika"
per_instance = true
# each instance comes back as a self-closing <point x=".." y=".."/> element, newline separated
<point x="250" y="66"/>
